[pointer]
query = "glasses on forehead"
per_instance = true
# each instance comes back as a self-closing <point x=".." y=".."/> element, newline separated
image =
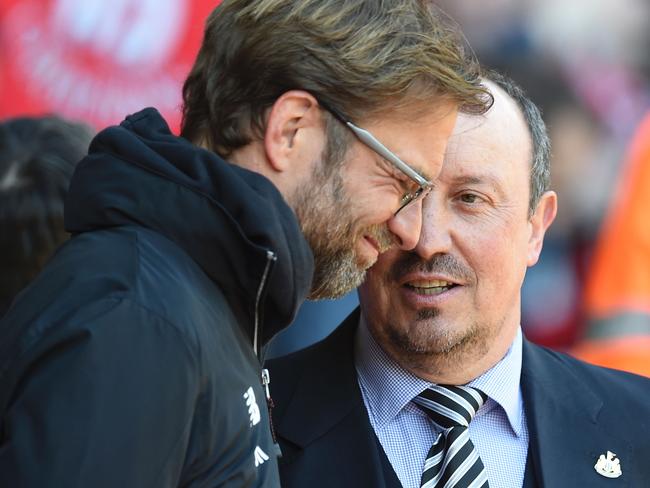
<point x="421" y="186"/>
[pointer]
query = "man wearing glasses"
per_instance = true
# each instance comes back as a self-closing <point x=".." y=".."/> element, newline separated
<point x="135" y="358"/>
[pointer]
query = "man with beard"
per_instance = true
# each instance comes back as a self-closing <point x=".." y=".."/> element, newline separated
<point x="431" y="383"/>
<point x="134" y="359"/>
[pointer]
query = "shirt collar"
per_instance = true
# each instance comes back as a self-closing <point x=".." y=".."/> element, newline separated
<point x="502" y="384"/>
<point x="378" y="374"/>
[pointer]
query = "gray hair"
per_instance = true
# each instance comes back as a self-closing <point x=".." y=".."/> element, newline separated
<point x="540" y="165"/>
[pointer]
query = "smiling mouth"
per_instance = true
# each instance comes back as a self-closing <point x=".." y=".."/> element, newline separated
<point x="430" y="287"/>
<point x="373" y="243"/>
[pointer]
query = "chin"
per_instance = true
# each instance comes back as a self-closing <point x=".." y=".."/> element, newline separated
<point x="336" y="277"/>
<point x="431" y="337"/>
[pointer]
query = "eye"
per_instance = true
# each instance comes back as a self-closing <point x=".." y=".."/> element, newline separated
<point x="406" y="185"/>
<point x="469" y="198"/>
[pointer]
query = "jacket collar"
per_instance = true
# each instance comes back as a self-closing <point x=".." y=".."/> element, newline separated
<point x="225" y="217"/>
<point x="562" y="412"/>
<point x="326" y="408"/>
<point x="325" y="385"/>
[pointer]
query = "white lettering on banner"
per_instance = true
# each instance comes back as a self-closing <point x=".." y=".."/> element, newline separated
<point x="124" y="30"/>
<point x="98" y="60"/>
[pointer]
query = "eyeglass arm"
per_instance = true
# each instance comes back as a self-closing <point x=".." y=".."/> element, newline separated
<point x="368" y="139"/>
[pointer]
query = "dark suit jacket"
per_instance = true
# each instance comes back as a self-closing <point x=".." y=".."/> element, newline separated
<point x="575" y="412"/>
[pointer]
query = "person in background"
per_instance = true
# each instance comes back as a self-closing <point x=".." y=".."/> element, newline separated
<point x="433" y="383"/>
<point x="37" y="158"/>
<point x="134" y="359"/>
<point x="617" y="294"/>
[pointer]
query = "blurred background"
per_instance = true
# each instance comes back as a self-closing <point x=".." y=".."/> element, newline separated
<point x="586" y="63"/>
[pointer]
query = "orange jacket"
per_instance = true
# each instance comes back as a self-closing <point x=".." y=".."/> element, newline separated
<point x="617" y="294"/>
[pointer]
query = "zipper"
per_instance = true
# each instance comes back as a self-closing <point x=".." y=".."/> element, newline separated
<point x="270" y="259"/>
<point x="266" y="377"/>
<point x="266" y="381"/>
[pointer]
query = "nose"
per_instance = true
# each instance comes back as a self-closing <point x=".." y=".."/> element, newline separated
<point x="436" y="234"/>
<point x="407" y="225"/>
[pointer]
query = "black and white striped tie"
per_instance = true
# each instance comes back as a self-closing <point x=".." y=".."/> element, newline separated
<point x="452" y="461"/>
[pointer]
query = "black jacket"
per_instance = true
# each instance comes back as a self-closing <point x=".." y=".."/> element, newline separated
<point x="129" y="362"/>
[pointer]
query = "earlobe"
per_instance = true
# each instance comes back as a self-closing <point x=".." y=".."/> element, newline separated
<point x="540" y="221"/>
<point x="292" y="112"/>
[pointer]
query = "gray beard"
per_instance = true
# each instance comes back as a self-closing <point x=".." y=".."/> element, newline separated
<point x="322" y="208"/>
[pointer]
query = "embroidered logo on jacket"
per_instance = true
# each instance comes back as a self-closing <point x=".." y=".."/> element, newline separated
<point x="253" y="411"/>
<point x="610" y="466"/>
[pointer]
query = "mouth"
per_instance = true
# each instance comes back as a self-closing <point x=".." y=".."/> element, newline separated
<point x="430" y="287"/>
<point x="368" y="253"/>
<point x="373" y="242"/>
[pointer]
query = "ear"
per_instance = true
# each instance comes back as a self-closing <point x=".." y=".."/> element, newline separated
<point x="293" y="123"/>
<point x="540" y="221"/>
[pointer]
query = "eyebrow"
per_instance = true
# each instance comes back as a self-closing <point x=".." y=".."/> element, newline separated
<point x="424" y="174"/>
<point x="480" y="179"/>
<point x="477" y="180"/>
<point x="395" y="171"/>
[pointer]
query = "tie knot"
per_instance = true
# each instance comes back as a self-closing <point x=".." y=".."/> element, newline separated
<point x="450" y="406"/>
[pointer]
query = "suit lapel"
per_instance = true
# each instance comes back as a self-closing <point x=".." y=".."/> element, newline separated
<point x="326" y="412"/>
<point x="562" y="414"/>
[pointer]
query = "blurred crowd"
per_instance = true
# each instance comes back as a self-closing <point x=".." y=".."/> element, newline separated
<point x="585" y="63"/>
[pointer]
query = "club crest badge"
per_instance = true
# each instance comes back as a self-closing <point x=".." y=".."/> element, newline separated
<point x="608" y="465"/>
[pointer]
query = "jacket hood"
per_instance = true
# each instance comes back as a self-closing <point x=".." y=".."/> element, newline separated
<point x="225" y="217"/>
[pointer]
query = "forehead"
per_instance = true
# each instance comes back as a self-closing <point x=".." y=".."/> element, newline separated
<point x="498" y="142"/>
<point x="418" y="138"/>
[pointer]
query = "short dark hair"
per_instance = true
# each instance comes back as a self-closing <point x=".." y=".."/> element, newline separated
<point x="540" y="164"/>
<point x="360" y="57"/>
<point x="37" y="158"/>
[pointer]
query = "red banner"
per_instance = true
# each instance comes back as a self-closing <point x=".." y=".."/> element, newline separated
<point x="97" y="60"/>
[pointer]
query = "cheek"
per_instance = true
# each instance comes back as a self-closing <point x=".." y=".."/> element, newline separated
<point x="499" y="260"/>
<point x="495" y="250"/>
<point x="374" y="196"/>
<point x="365" y="210"/>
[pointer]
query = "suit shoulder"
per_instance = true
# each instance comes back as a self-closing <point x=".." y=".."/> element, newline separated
<point x="338" y="342"/>
<point x="617" y="385"/>
<point x="291" y="363"/>
<point x="320" y="362"/>
<point x="286" y="372"/>
<point x="317" y="356"/>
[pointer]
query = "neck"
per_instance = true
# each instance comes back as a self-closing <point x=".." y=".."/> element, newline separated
<point x="253" y="157"/>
